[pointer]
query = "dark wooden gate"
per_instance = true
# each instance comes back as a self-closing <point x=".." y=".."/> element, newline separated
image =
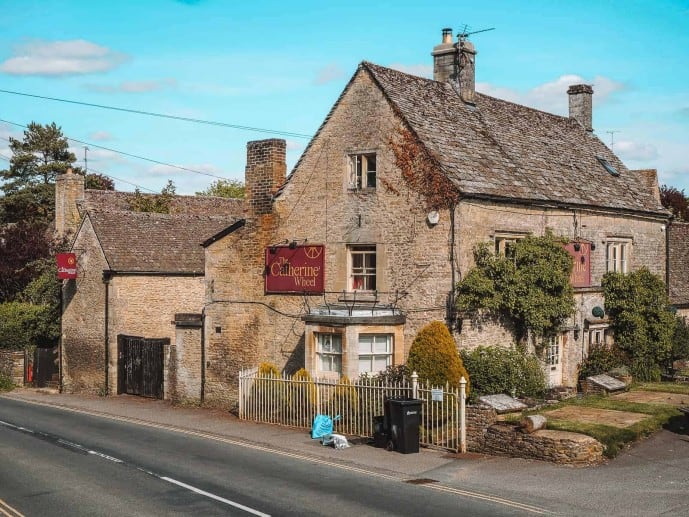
<point x="140" y="366"/>
<point x="45" y="368"/>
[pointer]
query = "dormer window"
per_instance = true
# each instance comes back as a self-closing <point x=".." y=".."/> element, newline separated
<point x="608" y="166"/>
<point x="362" y="171"/>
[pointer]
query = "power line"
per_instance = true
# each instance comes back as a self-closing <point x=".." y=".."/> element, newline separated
<point x="158" y="162"/>
<point x="163" y="115"/>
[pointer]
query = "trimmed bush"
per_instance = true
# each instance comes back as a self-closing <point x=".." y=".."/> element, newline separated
<point x="434" y="357"/>
<point x="602" y="359"/>
<point x="496" y="370"/>
<point x="301" y="398"/>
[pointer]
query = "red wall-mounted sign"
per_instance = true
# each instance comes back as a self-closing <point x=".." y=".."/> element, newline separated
<point x="581" y="272"/>
<point x="299" y="269"/>
<point x="66" y="266"/>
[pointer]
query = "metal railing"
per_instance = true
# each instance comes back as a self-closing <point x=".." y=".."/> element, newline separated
<point x="294" y="401"/>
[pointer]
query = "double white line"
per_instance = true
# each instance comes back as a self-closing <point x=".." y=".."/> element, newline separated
<point x="8" y="511"/>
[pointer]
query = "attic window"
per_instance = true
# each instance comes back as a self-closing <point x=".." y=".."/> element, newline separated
<point x="608" y="166"/>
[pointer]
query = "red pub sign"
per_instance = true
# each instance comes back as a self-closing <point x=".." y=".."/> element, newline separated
<point x="296" y="269"/>
<point x="66" y="266"/>
<point x="581" y="272"/>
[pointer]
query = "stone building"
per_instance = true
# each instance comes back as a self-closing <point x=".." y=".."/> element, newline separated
<point x="678" y="266"/>
<point x="394" y="238"/>
<point x="138" y="274"/>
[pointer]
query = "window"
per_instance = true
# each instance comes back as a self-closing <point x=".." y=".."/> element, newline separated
<point x="608" y="166"/>
<point x="363" y="268"/>
<point x="504" y="244"/>
<point x="329" y="352"/>
<point x="617" y="256"/>
<point x="553" y="351"/>
<point x="596" y="337"/>
<point x="362" y="171"/>
<point x="375" y="352"/>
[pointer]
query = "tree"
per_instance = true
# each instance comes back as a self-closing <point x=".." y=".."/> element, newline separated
<point x="21" y="245"/>
<point x="39" y="157"/>
<point x="94" y="181"/>
<point x="641" y="320"/>
<point x="225" y="188"/>
<point x="433" y="356"/>
<point x="531" y="286"/>
<point x="159" y="203"/>
<point x="29" y="182"/>
<point x="675" y="200"/>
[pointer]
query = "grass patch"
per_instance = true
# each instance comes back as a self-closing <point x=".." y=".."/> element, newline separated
<point x="613" y="438"/>
<point x="667" y="387"/>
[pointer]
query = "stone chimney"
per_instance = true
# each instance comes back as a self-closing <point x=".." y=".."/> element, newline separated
<point x="650" y="177"/>
<point x="265" y="171"/>
<point x="581" y="104"/>
<point x="69" y="191"/>
<point x="454" y="63"/>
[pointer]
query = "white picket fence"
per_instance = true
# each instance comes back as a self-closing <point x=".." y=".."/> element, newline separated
<point x="292" y="401"/>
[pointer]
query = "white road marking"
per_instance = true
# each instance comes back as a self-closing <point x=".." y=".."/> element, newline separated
<point x="105" y="456"/>
<point x="7" y="510"/>
<point x="215" y="497"/>
<point x="299" y="456"/>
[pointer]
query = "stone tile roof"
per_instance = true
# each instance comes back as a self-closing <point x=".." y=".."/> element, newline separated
<point x="499" y="149"/>
<point x="149" y="242"/>
<point x="678" y="244"/>
<point x="107" y="200"/>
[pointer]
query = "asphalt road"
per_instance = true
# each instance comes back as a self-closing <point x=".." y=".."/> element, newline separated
<point x="61" y="463"/>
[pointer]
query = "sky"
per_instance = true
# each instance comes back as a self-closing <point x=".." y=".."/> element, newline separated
<point x="280" y="66"/>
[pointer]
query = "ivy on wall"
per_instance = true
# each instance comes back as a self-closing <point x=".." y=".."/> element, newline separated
<point x="531" y="287"/>
<point x="422" y="173"/>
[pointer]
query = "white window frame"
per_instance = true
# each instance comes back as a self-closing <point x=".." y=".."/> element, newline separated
<point x="617" y="253"/>
<point x="329" y="352"/>
<point x="370" y="355"/>
<point x="362" y="171"/>
<point x="553" y="348"/>
<point x="596" y="337"/>
<point x="362" y="277"/>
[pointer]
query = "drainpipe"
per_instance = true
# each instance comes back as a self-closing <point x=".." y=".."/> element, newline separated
<point x="62" y="295"/>
<point x="451" y="297"/>
<point x="106" y="280"/>
<point x="203" y="354"/>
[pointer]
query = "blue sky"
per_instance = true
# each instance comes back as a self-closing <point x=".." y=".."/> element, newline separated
<point x="281" y="66"/>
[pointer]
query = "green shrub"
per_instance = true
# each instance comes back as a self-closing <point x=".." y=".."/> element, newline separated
<point x="301" y="398"/>
<point x="497" y="370"/>
<point x="345" y="399"/>
<point x="433" y="356"/>
<point x="23" y="325"/>
<point x="268" y="392"/>
<point x="6" y="383"/>
<point x="602" y="359"/>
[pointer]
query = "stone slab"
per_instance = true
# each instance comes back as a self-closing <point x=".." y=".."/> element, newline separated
<point x="606" y="382"/>
<point x="503" y="403"/>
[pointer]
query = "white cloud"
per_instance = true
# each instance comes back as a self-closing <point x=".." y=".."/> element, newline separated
<point x="101" y="136"/>
<point x="55" y="58"/>
<point x="133" y="86"/>
<point x="418" y="70"/>
<point x="329" y="73"/>
<point x="167" y="171"/>
<point x="552" y="96"/>
<point x="638" y="151"/>
<point x="293" y="145"/>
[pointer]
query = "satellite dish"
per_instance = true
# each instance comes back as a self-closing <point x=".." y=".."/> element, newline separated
<point x="433" y="218"/>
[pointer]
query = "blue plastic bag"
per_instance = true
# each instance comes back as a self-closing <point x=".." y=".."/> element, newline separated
<point x="322" y="425"/>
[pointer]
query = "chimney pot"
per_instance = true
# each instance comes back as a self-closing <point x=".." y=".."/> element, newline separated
<point x="447" y="35"/>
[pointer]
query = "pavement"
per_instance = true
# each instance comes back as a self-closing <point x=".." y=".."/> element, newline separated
<point x="222" y="424"/>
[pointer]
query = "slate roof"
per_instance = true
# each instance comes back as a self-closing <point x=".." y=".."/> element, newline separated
<point x="502" y="150"/>
<point x="157" y="243"/>
<point x="109" y="200"/>
<point x="678" y="244"/>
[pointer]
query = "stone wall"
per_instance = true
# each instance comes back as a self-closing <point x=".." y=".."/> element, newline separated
<point x="555" y="446"/>
<point x="185" y="361"/>
<point x="478" y="419"/>
<point x="12" y="365"/>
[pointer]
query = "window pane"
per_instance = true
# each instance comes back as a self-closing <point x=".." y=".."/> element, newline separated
<point x="381" y="345"/>
<point x="365" y="364"/>
<point x="365" y="344"/>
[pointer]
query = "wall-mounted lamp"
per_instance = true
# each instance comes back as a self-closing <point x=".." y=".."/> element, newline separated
<point x="292" y="245"/>
<point x="577" y="246"/>
<point x="593" y="246"/>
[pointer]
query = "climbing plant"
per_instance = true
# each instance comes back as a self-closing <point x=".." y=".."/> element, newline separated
<point x="641" y="320"/>
<point x="422" y="173"/>
<point x="530" y="287"/>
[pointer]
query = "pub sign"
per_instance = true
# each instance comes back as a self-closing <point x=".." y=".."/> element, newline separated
<point x="295" y="269"/>
<point x="66" y="266"/>
<point x="581" y="272"/>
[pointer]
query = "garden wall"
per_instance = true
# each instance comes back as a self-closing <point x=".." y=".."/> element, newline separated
<point x="12" y="365"/>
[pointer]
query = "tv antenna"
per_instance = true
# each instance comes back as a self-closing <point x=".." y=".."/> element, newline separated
<point x="612" y="138"/>
<point x="86" y="161"/>
<point x="466" y="33"/>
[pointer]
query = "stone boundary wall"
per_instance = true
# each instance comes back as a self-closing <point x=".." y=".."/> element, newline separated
<point x="555" y="446"/>
<point x="486" y="435"/>
<point x="12" y="365"/>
